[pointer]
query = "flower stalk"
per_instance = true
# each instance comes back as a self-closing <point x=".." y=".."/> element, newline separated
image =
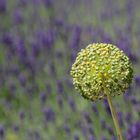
<point x="114" y="116"/>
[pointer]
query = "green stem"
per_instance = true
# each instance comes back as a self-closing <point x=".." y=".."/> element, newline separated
<point x="113" y="113"/>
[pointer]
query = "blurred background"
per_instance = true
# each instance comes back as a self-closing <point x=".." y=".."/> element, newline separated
<point x="39" y="40"/>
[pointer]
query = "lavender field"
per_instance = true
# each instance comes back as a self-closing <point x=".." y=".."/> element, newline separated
<point x="39" y="41"/>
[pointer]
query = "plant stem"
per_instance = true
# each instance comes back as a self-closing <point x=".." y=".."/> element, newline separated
<point x="115" y="120"/>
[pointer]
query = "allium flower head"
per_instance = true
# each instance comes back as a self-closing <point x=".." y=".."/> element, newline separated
<point x="101" y="69"/>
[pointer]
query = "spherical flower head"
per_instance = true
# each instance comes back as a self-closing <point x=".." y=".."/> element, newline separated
<point x="101" y="69"/>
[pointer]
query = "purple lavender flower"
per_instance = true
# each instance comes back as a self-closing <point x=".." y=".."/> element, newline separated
<point x="35" y="49"/>
<point x="103" y="124"/>
<point x="36" y="2"/>
<point x="90" y="129"/>
<point x="76" y="137"/>
<point x="106" y="38"/>
<point x="87" y="117"/>
<point x="75" y="37"/>
<point x="14" y="70"/>
<point x="120" y="118"/>
<point x="133" y="131"/>
<point x="137" y="80"/>
<point x="36" y="135"/>
<point x="103" y="138"/>
<point x="134" y="101"/>
<point x="110" y="131"/>
<point x="29" y="62"/>
<point x="59" y="87"/>
<point x="124" y="44"/>
<point x="49" y="114"/>
<point x="46" y="38"/>
<point x="78" y="124"/>
<point x="69" y="83"/>
<point x="21" y="115"/>
<point x="20" y="48"/>
<point x="1" y="81"/>
<point x="7" y="39"/>
<point x="48" y="88"/>
<point x="51" y="69"/>
<point x="113" y="138"/>
<point x="91" y="137"/>
<point x="72" y="104"/>
<point x="48" y="3"/>
<point x="43" y="97"/>
<point x="17" y="17"/>
<point x="59" y="101"/>
<point x="72" y="56"/>
<point x="2" y="6"/>
<point x="130" y="7"/>
<point x="33" y="135"/>
<point x="59" y="55"/>
<point x="128" y="136"/>
<point x="133" y="57"/>
<point x="95" y="110"/>
<point x="11" y="87"/>
<point x="106" y="107"/>
<point x="1" y="131"/>
<point x="128" y="117"/>
<point x="59" y="22"/>
<point x="15" y="128"/>
<point x="23" y="2"/>
<point x="22" y="80"/>
<point x="66" y="128"/>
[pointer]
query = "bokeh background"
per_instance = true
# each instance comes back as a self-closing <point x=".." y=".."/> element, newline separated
<point x="39" y="40"/>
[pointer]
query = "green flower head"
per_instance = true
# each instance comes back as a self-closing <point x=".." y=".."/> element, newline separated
<point x="101" y="69"/>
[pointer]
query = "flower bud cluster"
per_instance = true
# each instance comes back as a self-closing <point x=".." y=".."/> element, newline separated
<point x="101" y="69"/>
